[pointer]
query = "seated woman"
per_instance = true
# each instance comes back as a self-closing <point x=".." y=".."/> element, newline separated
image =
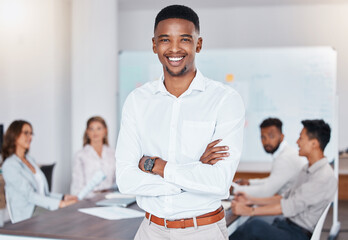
<point x="94" y="156"/>
<point x="25" y="184"/>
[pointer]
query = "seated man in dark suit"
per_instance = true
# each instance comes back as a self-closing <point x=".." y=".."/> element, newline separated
<point x="303" y="204"/>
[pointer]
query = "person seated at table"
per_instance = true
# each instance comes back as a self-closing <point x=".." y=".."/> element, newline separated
<point x="303" y="204"/>
<point x="25" y="184"/>
<point x="286" y="163"/>
<point x="95" y="155"/>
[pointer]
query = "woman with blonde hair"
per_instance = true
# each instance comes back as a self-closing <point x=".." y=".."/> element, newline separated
<point x="26" y="186"/>
<point x="95" y="155"/>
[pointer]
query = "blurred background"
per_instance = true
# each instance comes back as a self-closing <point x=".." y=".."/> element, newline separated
<point x="59" y="58"/>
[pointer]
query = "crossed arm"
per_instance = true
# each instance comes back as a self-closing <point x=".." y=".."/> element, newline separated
<point x="208" y="175"/>
<point x="212" y="155"/>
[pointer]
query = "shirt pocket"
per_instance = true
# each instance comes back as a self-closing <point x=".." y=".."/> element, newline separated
<point x="196" y="135"/>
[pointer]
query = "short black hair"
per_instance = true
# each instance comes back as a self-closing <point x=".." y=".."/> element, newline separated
<point x="319" y="130"/>
<point x="178" y="11"/>
<point x="272" y="122"/>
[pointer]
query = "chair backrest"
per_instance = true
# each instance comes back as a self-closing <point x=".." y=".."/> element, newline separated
<point x="8" y="208"/>
<point x="317" y="230"/>
<point x="48" y="170"/>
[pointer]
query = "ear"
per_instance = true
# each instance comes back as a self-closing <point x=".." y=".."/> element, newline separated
<point x="154" y="45"/>
<point x="199" y="45"/>
<point x="282" y="137"/>
<point x="315" y="143"/>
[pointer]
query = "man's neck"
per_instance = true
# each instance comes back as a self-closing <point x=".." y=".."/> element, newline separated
<point x="314" y="157"/>
<point x="177" y="85"/>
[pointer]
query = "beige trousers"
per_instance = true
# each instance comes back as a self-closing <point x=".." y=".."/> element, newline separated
<point x="153" y="231"/>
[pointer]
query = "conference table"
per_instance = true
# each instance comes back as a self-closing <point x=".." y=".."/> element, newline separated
<point x="69" y="223"/>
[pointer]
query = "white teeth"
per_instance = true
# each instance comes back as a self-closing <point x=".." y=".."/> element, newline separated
<point x="175" y="59"/>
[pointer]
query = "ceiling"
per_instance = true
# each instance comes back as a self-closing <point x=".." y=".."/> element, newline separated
<point x="156" y="4"/>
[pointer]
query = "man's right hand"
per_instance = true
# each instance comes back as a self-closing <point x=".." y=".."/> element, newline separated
<point x="214" y="154"/>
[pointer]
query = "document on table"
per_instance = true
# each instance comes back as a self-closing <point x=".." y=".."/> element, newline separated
<point x="226" y="204"/>
<point x="118" y="195"/>
<point x="112" y="213"/>
<point x="233" y="184"/>
<point x="117" y="202"/>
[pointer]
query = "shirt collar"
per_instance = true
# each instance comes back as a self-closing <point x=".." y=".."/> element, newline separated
<point x="198" y="83"/>
<point x="282" y="145"/>
<point x="90" y="149"/>
<point x="317" y="165"/>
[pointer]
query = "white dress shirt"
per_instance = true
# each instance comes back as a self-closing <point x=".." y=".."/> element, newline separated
<point x="156" y="123"/>
<point x="286" y="165"/>
<point x="87" y="162"/>
<point x="40" y="182"/>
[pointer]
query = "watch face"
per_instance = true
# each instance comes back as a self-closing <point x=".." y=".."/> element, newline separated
<point x="148" y="165"/>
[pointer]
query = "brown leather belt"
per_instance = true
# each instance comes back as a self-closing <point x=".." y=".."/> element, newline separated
<point x="205" y="219"/>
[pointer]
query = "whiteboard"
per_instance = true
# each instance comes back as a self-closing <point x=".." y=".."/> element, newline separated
<point x="292" y="84"/>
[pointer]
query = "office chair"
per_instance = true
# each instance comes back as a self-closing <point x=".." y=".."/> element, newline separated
<point x="317" y="230"/>
<point x="9" y="208"/>
<point x="48" y="170"/>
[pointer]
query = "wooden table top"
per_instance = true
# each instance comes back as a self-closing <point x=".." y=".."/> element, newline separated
<point x="68" y="223"/>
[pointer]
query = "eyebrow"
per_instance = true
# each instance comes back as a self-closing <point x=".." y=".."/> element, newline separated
<point x="182" y="35"/>
<point x="163" y="35"/>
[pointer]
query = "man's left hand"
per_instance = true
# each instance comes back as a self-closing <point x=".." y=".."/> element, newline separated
<point x="213" y="154"/>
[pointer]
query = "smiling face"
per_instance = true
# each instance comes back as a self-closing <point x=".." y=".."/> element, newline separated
<point x="24" y="139"/>
<point x="305" y="144"/>
<point x="176" y="43"/>
<point x="96" y="132"/>
<point x="271" y="138"/>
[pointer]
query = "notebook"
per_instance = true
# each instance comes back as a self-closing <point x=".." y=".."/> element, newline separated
<point x="118" y="202"/>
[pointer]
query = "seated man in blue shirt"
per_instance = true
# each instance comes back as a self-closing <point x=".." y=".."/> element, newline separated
<point x="303" y="204"/>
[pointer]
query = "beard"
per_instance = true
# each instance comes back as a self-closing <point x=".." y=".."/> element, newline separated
<point x="272" y="150"/>
<point x="176" y="74"/>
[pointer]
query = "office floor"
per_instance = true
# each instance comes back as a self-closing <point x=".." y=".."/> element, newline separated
<point x="342" y="218"/>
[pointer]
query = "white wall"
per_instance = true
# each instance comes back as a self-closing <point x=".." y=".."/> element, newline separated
<point x="58" y="67"/>
<point x="259" y="26"/>
<point x="94" y="66"/>
<point x="35" y="76"/>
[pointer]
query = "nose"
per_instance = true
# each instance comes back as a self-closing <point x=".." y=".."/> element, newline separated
<point x="265" y="141"/>
<point x="175" y="46"/>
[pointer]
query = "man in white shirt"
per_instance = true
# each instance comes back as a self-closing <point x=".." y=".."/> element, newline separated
<point x="286" y="163"/>
<point x="180" y="181"/>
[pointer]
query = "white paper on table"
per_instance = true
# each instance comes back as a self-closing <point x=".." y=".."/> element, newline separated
<point x="118" y="195"/>
<point x="226" y="204"/>
<point x="112" y="213"/>
<point x="235" y="185"/>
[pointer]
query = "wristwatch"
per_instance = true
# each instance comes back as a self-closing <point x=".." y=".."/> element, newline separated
<point x="149" y="163"/>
